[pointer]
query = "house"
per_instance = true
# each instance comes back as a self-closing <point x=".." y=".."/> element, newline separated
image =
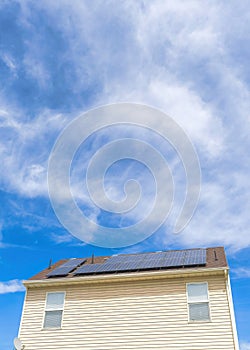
<point x="177" y="299"/>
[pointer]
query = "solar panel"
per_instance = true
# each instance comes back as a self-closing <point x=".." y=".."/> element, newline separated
<point x="66" y="268"/>
<point x="195" y="257"/>
<point x="61" y="271"/>
<point x="126" y="266"/>
<point x="85" y="269"/>
<point x="75" y="262"/>
<point x="125" y="258"/>
<point x="147" y="261"/>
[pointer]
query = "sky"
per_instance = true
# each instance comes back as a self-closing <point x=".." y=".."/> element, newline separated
<point x="60" y="59"/>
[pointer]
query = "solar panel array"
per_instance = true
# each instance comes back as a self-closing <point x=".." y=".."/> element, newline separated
<point x="66" y="268"/>
<point x="146" y="261"/>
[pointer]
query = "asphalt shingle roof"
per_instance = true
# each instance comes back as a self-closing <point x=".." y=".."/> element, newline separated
<point x="215" y="258"/>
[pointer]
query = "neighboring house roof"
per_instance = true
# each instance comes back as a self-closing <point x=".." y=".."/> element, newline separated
<point x="214" y="258"/>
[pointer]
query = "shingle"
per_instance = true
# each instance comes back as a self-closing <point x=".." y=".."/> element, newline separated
<point x="216" y="258"/>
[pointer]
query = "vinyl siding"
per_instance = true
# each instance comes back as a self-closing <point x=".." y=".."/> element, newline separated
<point x="150" y="314"/>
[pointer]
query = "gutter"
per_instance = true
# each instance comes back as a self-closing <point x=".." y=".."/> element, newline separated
<point x="132" y="276"/>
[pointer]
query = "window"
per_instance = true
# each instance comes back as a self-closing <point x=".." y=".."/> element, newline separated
<point x="198" y="304"/>
<point x="54" y="310"/>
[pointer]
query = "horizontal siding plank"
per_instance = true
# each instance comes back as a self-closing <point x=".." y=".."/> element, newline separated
<point x="130" y="315"/>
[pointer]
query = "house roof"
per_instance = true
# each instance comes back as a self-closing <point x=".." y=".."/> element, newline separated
<point x="214" y="258"/>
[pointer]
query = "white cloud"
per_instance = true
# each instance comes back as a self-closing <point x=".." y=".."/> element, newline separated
<point x="241" y="272"/>
<point x="1" y="235"/>
<point x="9" y="61"/>
<point x="245" y="346"/>
<point x="221" y="217"/>
<point x="12" y="286"/>
<point x="60" y="238"/>
<point x="177" y="56"/>
<point x="24" y="150"/>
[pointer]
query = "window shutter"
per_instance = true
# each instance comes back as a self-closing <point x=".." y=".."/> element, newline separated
<point x="53" y="319"/>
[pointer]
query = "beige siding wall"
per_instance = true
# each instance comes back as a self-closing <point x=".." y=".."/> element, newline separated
<point x="129" y="315"/>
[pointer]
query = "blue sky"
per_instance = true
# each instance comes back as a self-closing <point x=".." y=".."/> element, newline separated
<point x="59" y="59"/>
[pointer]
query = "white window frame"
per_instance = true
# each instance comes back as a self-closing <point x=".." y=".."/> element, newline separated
<point x="198" y="302"/>
<point x="60" y="308"/>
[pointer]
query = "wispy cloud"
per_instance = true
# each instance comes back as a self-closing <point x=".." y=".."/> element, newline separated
<point x="245" y="346"/>
<point x="186" y="64"/>
<point x="12" y="286"/>
<point x="9" y="61"/>
<point x="24" y="151"/>
<point x="241" y="272"/>
<point x="2" y="245"/>
<point x="61" y="238"/>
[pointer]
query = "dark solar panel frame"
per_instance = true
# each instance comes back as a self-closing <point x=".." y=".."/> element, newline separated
<point x="145" y="261"/>
<point x="66" y="268"/>
<point x="74" y="262"/>
<point x="128" y="266"/>
<point x="61" y="271"/>
<point x="85" y="269"/>
<point x="196" y="257"/>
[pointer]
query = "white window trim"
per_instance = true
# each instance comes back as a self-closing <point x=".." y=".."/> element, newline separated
<point x="206" y="301"/>
<point x="57" y="309"/>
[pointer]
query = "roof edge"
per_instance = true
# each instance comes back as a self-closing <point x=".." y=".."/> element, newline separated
<point x="131" y="276"/>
